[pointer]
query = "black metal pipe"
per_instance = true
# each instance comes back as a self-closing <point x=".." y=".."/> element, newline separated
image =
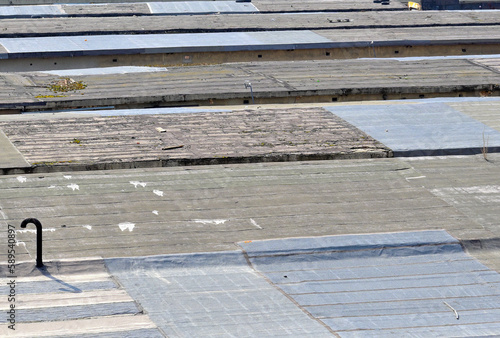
<point x="39" y="262"/>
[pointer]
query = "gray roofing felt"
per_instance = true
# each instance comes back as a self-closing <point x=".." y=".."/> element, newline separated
<point x="41" y="10"/>
<point x="104" y="70"/>
<point x="421" y="129"/>
<point x="157" y="43"/>
<point x="201" y="7"/>
<point x="191" y="8"/>
<point x="211" y="295"/>
<point x="391" y="285"/>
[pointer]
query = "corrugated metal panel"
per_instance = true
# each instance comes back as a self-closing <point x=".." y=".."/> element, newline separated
<point x="201" y="7"/>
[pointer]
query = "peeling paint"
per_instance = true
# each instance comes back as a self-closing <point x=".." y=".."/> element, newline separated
<point x="87" y="227"/>
<point x="126" y="225"/>
<point x="67" y="177"/>
<point x="21" y="179"/>
<point x="74" y="186"/>
<point x="52" y="187"/>
<point x="155" y="212"/>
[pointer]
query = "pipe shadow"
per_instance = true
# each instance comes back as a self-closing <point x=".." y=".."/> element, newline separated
<point x="68" y="287"/>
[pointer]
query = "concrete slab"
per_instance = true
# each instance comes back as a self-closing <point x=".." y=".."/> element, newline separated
<point x="422" y="129"/>
<point x="11" y="157"/>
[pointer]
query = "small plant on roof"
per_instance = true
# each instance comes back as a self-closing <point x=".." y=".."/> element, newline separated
<point x="66" y="85"/>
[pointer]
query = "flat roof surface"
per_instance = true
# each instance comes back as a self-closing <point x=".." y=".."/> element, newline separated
<point x="338" y="22"/>
<point x="416" y="283"/>
<point x="166" y="8"/>
<point x="176" y="136"/>
<point x="161" y="43"/>
<point x="263" y="5"/>
<point x="421" y="129"/>
<point x="86" y="45"/>
<point x="271" y="81"/>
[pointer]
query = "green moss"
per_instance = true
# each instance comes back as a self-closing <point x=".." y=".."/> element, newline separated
<point x="66" y="85"/>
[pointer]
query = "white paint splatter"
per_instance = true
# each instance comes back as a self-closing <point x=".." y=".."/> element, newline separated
<point x="52" y="187"/>
<point x="414" y="178"/>
<point x="255" y="224"/>
<point x="67" y="177"/>
<point x="87" y="227"/>
<point x="158" y="192"/>
<point x="21" y="179"/>
<point x="34" y="231"/>
<point x="74" y="186"/>
<point x="210" y="221"/>
<point x="126" y="225"/>
<point x="136" y="183"/>
<point x="155" y="212"/>
<point x="18" y="243"/>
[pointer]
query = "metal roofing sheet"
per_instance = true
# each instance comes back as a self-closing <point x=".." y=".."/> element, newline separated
<point x="421" y="129"/>
<point x="156" y="43"/>
<point x="362" y="286"/>
<point x="201" y="7"/>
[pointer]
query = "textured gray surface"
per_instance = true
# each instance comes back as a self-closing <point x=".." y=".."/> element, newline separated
<point x="23" y="11"/>
<point x="75" y="312"/>
<point x="201" y="7"/>
<point x="11" y="157"/>
<point x="163" y="43"/>
<point x="56" y="285"/>
<point x="211" y="295"/>
<point x="191" y="135"/>
<point x="104" y="71"/>
<point x="422" y="128"/>
<point x="141" y="333"/>
<point x="360" y="286"/>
